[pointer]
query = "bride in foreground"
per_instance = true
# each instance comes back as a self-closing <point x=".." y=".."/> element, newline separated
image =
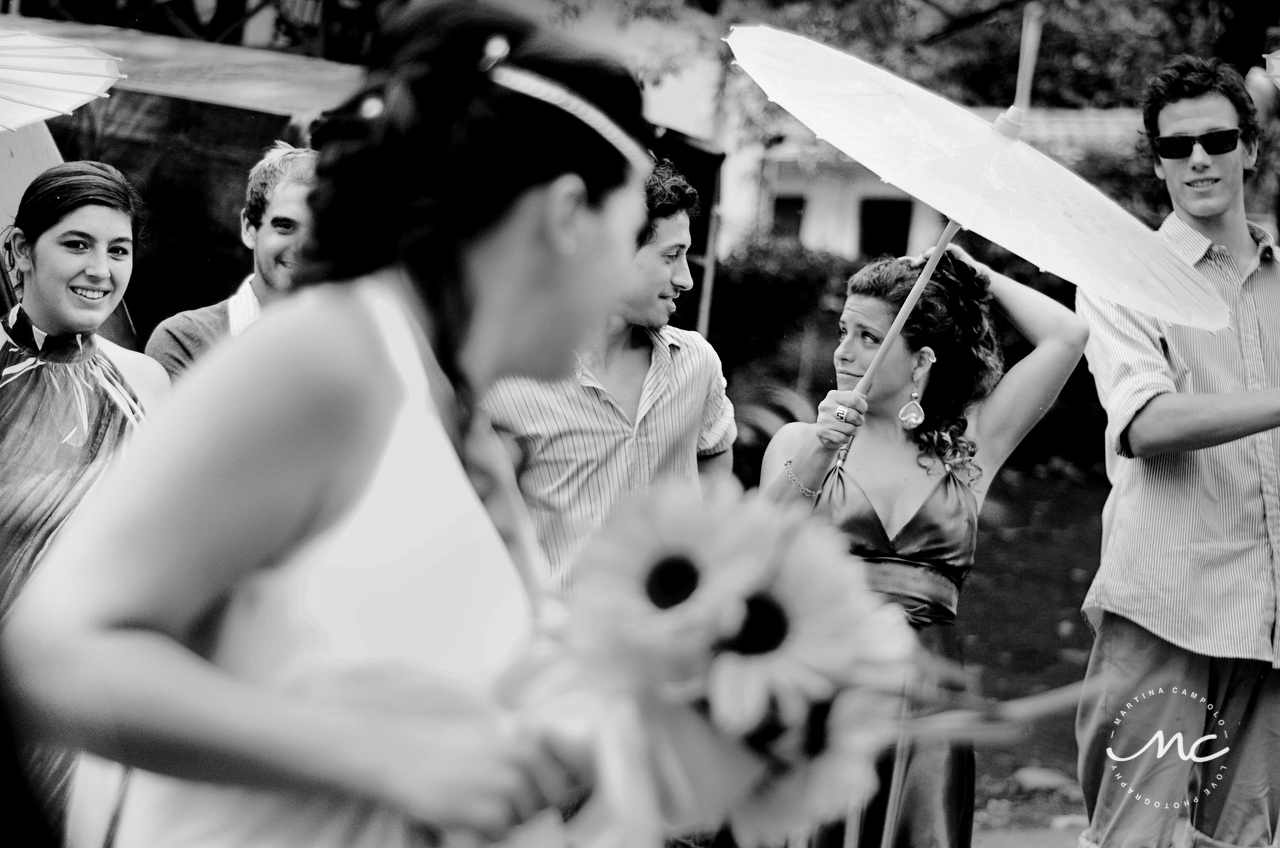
<point x="285" y="609"/>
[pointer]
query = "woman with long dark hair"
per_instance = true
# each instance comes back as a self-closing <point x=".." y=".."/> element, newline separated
<point x="903" y="472"/>
<point x="287" y="609"/>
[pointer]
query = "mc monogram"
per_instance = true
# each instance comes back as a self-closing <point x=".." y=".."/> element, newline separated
<point x="1162" y="747"/>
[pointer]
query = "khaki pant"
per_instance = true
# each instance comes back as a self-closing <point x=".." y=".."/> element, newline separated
<point x="1151" y="691"/>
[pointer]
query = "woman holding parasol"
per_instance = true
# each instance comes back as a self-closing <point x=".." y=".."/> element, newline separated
<point x="903" y="470"/>
<point x="909" y="488"/>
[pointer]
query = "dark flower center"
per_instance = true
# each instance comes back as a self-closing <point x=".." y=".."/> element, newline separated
<point x="671" y="581"/>
<point x="763" y="629"/>
<point x="815" y="729"/>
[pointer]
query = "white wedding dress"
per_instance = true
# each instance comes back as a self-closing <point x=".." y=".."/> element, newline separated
<point x="413" y="578"/>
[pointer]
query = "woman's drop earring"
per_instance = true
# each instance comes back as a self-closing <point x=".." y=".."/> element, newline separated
<point x="912" y="413"/>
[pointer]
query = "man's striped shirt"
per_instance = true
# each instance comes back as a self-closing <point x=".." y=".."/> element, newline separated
<point x="581" y="453"/>
<point x="1191" y="541"/>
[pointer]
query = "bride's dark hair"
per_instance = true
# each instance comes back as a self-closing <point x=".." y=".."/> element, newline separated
<point x="431" y="151"/>
<point x="953" y="317"/>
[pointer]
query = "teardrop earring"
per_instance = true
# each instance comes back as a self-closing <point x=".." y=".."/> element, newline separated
<point x="912" y="413"/>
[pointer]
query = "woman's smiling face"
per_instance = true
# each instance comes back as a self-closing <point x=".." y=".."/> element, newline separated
<point x="77" y="271"/>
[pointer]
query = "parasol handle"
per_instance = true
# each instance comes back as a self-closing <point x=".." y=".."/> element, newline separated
<point x="910" y="303"/>
<point x="1032" y="21"/>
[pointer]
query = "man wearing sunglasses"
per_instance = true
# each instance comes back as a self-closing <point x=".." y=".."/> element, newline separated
<point x="1183" y="716"/>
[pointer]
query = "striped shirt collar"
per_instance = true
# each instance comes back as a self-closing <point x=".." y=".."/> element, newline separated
<point x="243" y="309"/>
<point x="663" y="339"/>
<point x="1192" y="245"/>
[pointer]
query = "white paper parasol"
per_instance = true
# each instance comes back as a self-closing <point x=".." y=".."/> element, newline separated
<point x="1273" y="67"/>
<point x="41" y="77"/>
<point x="977" y="174"/>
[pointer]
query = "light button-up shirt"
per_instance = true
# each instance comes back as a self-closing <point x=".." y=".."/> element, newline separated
<point x="582" y="455"/>
<point x="1191" y="541"/>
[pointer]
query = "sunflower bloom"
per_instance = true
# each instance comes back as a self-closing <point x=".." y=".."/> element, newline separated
<point x="814" y="629"/>
<point x="665" y="582"/>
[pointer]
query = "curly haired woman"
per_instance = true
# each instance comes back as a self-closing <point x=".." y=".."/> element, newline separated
<point x="938" y="420"/>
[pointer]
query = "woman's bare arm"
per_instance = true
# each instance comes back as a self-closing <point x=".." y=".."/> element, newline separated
<point x="260" y="448"/>
<point x="1028" y="389"/>
<point x="144" y="375"/>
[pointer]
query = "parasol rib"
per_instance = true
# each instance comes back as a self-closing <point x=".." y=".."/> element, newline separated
<point x="41" y="106"/>
<point x="61" y="73"/>
<point x="13" y="54"/>
<point x="5" y="82"/>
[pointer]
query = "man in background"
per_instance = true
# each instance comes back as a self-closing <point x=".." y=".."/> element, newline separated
<point x="273" y="224"/>
<point x="1185" y="601"/>
<point x="646" y="402"/>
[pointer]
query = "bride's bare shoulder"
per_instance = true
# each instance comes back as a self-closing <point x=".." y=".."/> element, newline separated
<point x="144" y="375"/>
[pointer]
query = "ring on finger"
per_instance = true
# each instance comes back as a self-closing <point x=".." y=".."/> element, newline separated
<point x="842" y="412"/>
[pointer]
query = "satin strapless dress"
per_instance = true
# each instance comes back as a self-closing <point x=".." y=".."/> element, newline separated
<point x="922" y="568"/>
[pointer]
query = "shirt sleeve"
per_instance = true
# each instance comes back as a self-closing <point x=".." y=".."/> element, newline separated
<point x="501" y="406"/>
<point x="718" y="430"/>
<point x="169" y="345"/>
<point x="1127" y="354"/>
<point x="496" y="404"/>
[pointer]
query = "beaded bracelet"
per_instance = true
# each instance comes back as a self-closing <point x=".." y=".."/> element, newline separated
<point x="804" y="490"/>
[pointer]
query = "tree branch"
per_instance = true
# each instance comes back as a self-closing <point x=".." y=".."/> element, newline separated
<point x="963" y="22"/>
<point x="938" y="7"/>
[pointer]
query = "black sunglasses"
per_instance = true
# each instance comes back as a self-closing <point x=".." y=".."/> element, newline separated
<point x="1180" y="146"/>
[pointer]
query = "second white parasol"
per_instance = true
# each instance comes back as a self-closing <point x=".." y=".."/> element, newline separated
<point x="978" y="174"/>
<point x="41" y="77"/>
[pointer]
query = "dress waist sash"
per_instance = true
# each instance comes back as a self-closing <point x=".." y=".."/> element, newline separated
<point x="926" y="594"/>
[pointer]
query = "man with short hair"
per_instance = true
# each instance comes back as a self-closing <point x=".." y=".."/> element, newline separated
<point x="1185" y="603"/>
<point x="646" y="403"/>
<point x="273" y="224"/>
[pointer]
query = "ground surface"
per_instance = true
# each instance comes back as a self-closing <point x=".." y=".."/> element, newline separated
<point x="1023" y="633"/>
<point x="1018" y="838"/>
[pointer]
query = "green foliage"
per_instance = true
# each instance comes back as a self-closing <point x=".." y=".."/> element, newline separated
<point x="764" y="291"/>
<point x="1095" y="53"/>
<point x="1092" y="53"/>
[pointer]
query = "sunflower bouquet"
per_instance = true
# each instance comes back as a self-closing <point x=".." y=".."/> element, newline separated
<point x="731" y="666"/>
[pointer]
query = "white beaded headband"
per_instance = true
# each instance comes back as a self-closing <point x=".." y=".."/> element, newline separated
<point x="539" y="87"/>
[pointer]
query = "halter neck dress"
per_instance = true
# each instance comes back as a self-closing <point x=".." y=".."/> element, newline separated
<point x="413" y="583"/>
<point x="922" y="568"/>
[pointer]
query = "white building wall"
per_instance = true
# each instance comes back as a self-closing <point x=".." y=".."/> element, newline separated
<point x="833" y="194"/>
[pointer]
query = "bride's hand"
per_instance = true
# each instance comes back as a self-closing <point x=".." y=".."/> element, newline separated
<point x="450" y="758"/>
<point x="474" y="774"/>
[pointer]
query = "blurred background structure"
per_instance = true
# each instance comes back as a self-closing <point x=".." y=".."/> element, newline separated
<point x="786" y="220"/>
